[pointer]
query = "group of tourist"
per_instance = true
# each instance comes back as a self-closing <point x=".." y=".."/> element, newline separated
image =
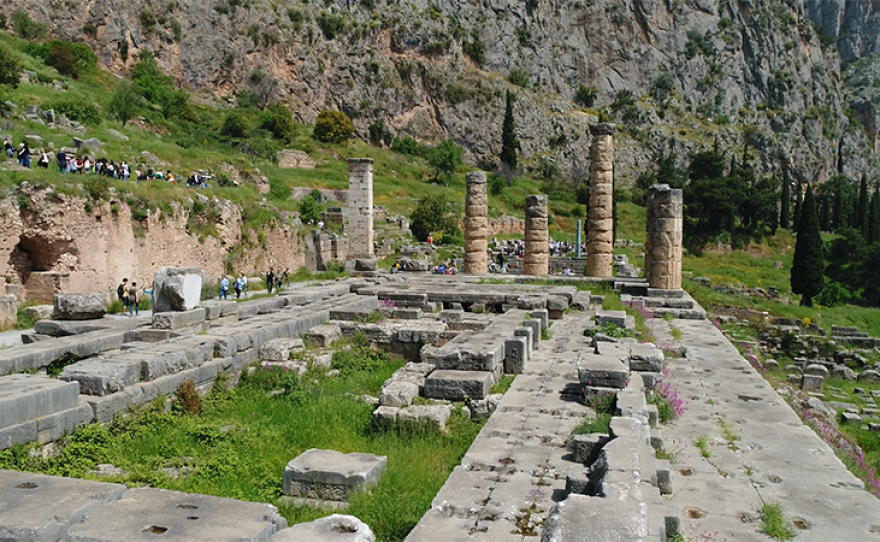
<point x="102" y="166"/>
<point x="130" y="296"/>
<point x="240" y="285"/>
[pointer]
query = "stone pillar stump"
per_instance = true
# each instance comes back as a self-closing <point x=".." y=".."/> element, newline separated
<point x="537" y="257"/>
<point x="360" y="207"/>
<point x="600" y="219"/>
<point x="663" y="243"/>
<point x="476" y="223"/>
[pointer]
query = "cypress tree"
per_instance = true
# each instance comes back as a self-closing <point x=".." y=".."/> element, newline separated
<point x="808" y="268"/>
<point x="508" y="135"/>
<point x="785" y="201"/>
<point x="796" y="219"/>
<point x="874" y="218"/>
<point x="825" y="213"/>
<point x="862" y="209"/>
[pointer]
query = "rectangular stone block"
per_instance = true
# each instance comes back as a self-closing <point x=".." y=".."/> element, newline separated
<point x="516" y="355"/>
<point x="322" y="336"/>
<point x="26" y="397"/>
<point x="458" y="385"/>
<point x="542" y="315"/>
<point x="179" y="320"/>
<point x="535" y="326"/>
<point x="330" y="475"/>
<point x="617" y="318"/>
<point x="38" y="508"/>
<point x="603" y="372"/>
<point x="103" y="376"/>
<point x="525" y="332"/>
<point x="145" y="513"/>
<point x="646" y="357"/>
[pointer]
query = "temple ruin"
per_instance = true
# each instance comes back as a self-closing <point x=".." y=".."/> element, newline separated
<point x="360" y="207"/>
<point x="476" y="260"/>
<point x="663" y="243"/>
<point x="600" y="215"/>
<point x="537" y="256"/>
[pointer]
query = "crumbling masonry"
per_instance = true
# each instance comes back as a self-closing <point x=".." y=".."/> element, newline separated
<point x="537" y="258"/>
<point x="475" y="222"/>
<point x="600" y="223"/>
<point x="663" y="244"/>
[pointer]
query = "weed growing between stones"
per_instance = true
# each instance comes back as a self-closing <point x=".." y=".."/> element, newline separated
<point x="503" y="384"/>
<point x="609" y="330"/>
<point x="729" y="434"/>
<point x="669" y="402"/>
<point x="774" y="523"/>
<point x="186" y="398"/>
<point x="526" y="524"/>
<point x="600" y="424"/>
<point x="240" y="443"/>
<point x="702" y="442"/>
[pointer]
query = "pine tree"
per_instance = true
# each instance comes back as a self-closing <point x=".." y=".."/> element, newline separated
<point x="807" y="270"/>
<point x="798" y="203"/>
<point x="785" y="201"/>
<point x="862" y="208"/>
<point x="508" y="135"/>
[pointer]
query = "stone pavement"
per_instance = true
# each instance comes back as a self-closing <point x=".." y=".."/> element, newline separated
<point x="774" y="457"/>
<point x="519" y="452"/>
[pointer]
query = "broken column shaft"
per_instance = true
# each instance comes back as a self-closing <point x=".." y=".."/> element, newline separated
<point x="476" y="222"/>
<point x="537" y="257"/>
<point x="360" y="206"/>
<point x="600" y="215"/>
<point x="663" y="243"/>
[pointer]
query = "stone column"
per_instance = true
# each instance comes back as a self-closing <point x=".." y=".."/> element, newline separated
<point x="600" y="222"/>
<point x="580" y="241"/>
<point x="663" y="243"/>
<point x="537" y="258"/>
<point x="360" y="207"/>
<point x="476" y="220"/>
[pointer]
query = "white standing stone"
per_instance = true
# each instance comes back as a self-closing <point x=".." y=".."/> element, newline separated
<point x="360" y="207"/>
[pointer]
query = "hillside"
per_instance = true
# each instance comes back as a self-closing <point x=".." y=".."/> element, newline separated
<point x="675" y="74"/>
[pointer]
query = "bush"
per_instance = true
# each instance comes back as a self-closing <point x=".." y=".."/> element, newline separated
<point x="278" y="120"/>
<point x="496" y="185"/>
<point x="333" y="127"/>
<point x="124" y="103"/>
<point x="187" y="398"/>
<point x="70" y="59"/>
<point x="10" y="68"/>
<point x="62" y="59"/>
<point x="586" y="96"/>
<point x="406" y="145"/>
<point x="235" y="124"/>
<point x="445" y="158"/>
<point x="330" y="25"/>
<point x="432" y="215"/>
<point x="309" y="210"/>
<point x="78" y="110"/>
<point x="25" y="27"/>
<point x="519" y="78"/>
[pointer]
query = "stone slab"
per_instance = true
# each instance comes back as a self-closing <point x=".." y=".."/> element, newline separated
<point x="179" y="319"/>
<point x="516" y="355"/>
<point x="159" y="514"/>
<point x="331" y="475"/>
<point x="617" y="318"/>
<point x="66" y="328"/>
<point x="458" y="385"/>
<point x="177" y="289"/>
<point x="645" y="357"/>
<point x="102" y="376"/>
<point x="26" y="397"/>
<point x="279" y="349"/>
<point x="79" y="306"/>
<point x="333" y="528"/>
<point x="603" y="372"/>
<point x="38" y="508"/>
<point x="322" y="336"/>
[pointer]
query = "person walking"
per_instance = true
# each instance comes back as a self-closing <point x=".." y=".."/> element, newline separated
<point x="270" y="279"/>
<point x="224" y="287"/>
<point x="237" y="286"/>
<point x="7" y="146"/>
<point x="24" y="154"/>
<point x="134" y="300"/>
<point x="122" y="293"/>
<point x="244" y="281"/>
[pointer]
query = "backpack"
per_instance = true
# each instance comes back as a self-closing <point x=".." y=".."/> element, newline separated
<point x="120" y="291"/>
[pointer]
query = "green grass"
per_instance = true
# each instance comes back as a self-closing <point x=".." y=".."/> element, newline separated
<point x="665" y="412"/>
<point x="503" y="384"/>
<point x="774" y="522"/>
<point x="600" y="424"/>
<point x="242" y="440"/>
<point x="702" y="443"/>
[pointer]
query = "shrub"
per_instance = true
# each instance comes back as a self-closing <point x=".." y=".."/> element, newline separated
<point x="519" y="78"/>
<point x="406" y="145"/>
<point x="78" y="110"/>
<point x="333" y="127"/>
<point x="431" y="215"/>
<point x="309" y="210"/>
<point x="445" y="157"/>
<point x="496" y="185"/>
<point x="187" y="398"/>
<point x="586" y="96"/>
<point x="278" y="120"/>
<point x="25" y="27"/>
<point x="235" y="124"/>
<point x="62" y="59"/>
<point x="10" y="68"/>
<point x="124" y="103"/>
<point x="330" y="25"/>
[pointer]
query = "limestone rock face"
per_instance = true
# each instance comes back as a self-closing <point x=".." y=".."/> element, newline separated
<point x="177" y="289"/>
<point x="80" y="306"/>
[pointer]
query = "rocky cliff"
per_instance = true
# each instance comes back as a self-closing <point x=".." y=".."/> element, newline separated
<point x="54" y="242"/>
<point x="741" y="71"/>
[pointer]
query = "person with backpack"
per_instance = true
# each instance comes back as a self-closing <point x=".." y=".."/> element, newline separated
<point x="122" y="293"/>
<point x="270" y="279"/>
<point x="134" y="300"/>
<point x="7" y="146"/>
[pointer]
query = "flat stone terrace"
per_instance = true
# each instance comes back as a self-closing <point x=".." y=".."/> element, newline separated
<point x="776" y="457"/>
<point x="520" y="450"/>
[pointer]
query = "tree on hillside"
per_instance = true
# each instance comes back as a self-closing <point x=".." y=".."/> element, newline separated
<point x="785" y="200"/>
<point x="10" y="68"/>
<point x="333" y="127"/>
<point x="124" y="103"/>
<point x="445" y="157"/>
<point x="431" y="215"/>
<point x="712" y="200"/>
<point x="874" y="217"/>
<point x="264" y="88"/>
<point x="807" y="270"/>
<point x="798" y="203"/>
<point x="508" y="134"/>
<point x="862" y="207"/>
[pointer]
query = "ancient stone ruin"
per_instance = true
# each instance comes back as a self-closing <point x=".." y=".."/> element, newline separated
<point x="600" y="216"/>
<point x="475" y="222"/>
<point x="663" y="243"/>
<point x="360" y="207"/>
<point x="537" y="257"/>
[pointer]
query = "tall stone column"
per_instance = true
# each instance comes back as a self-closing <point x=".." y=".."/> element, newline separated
<point x="476" y="221"/>
<point x="360" y="207"/>
<point x="537" y="258"/>
<point x="600" y="221"/>
<point x="663" y="243"/>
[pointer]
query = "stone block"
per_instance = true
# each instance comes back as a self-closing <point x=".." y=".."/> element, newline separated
<point x="322" y="335"/>
<point x="577" y="481"/>
<point x="8" y="311"/>
<point x="26" y="397"/>
<point x="79" y="306"/>
<point x="617" y="318"/>
<point x="407" y="314"/>
<point x="366" y="264"/>
<point x="603" y="372"/>
<point x="179" y="320"/>
<point x="333" y="528"/>
<point x="850" y="417"/>
<point x="215" y="310"/>
<point x="279" y="349"/>
<point x="67" y="328"/>
<point x="516" y="355"/>
<point x="869" y="376"/>
<point x="177" y="289"/>
<point x="580" y="517"/>
<point x="38" y="508"/>
<point x="458" y="385"/>
<point x="145" y="513"/>
<point x="398" y="393"/>
<point x="385" y="416"/>
<point x="330" y="475"/>
<point x="664" y="477"/>
<point x="585" y="448"/>
<point x="812" y="383"/>
<point x="429" y="416"/>
<point x="645" y="357"/>
<point x="535" y="326"/>
<point x="543" y="315"/>
<point x="101" y="376"/>
<point x="816" y="370"/>
<point x="481" y="410"/>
